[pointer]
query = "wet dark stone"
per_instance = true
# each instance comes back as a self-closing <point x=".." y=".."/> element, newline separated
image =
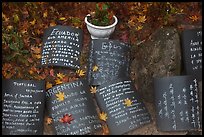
<point x="159" y="56"/>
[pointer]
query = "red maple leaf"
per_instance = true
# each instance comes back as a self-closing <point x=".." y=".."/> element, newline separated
<point x="66" y="119"/>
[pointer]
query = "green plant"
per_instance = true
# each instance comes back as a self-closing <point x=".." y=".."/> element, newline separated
<point x="102" y="16"/>
<point x="16" y="47"/>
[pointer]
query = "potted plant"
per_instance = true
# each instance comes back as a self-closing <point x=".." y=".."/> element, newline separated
<point x="101" y="23"/>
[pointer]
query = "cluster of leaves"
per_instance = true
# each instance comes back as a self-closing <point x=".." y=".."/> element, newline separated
<point x="141" y="19"/>
<point x="102" y="16"/>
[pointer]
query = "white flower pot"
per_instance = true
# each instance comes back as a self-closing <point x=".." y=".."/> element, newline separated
<point x="100" y="32"/>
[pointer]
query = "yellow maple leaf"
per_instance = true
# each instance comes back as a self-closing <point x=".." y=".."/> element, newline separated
<point x="141" y="19"/>
<point x="60" y="96"/>
<point x="127" y="102"/>
<point x="62" y="18"/>
<point x="194" y="18"/>
<point x="103" y="116"/>
<point x="93" y="89"/>
<point x="60" y="75"/>
<point x="58" y="81"/>
<point x="139" y="27"/>
<point x="45" y="14"/>
<point x="33" y="22"/>
<point x="95" y="68"/>
<point x="131" y="23"/>
<point x="4" y="16"/>
<point x="49" y="121"/>
<point x="80" y="73"/>
<point x="9" y="27"/>
<point x="48" y="85"/>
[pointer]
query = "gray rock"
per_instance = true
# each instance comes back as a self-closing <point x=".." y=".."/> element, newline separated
<point x="159" y="56"/>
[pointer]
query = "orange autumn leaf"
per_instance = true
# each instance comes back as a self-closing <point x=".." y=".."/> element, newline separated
<point x="93" y="90"/>
<point x="49" y="121"/>
<point x="105" y="130"/>
<point x="194" y="18"/>
<point x="37" y="56"/>
<point x="48" y="85"/>
<point x="103" y="116"/>
<point x="52" y="24"/>
<point x="60" y="96"/>
<point x="65" y="79"/>
<point x="145" y="8"/>
<point x="141" y="19"/>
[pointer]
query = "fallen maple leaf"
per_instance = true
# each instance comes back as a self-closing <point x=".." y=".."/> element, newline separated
<point x="49" y="121"/>
<point x="62" y="18"/>
<point x="52" y="72"/>
<point x="60" y="75"/>
<point x="4" y="17"/>
<point x="139" y="27"/>
<point x="105" y="129"/>
<point x="65" y="79"/>
<point x="194" y="18"/>
<point x="103" y="116"/>
<point x="93" y="89"/>
<point x="131" y="22"/>
<point x="8" y="71"/>
<point x="15" y="18"/>
<point x="45" y="14"/>
<point x="127" y="102"/>
<point x="58" y="81"/>
<point x="66" y="119"/>
<point x="48" y="85"/>
<point x="37" y="56"/>
<point x="95" y="68"/>
<point x="60" y="96"/>
<point x="80" y="73"/>
<point x="145" y="8"/>
<point x="9" y="27"/>
<point x="36" y="50"/>
<point x="52" y="23"/>
<point x="33" y="22"/>
<point x="141" y="19"/>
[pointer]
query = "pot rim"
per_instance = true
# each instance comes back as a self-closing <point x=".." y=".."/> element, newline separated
<point x="101" y="27"/>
